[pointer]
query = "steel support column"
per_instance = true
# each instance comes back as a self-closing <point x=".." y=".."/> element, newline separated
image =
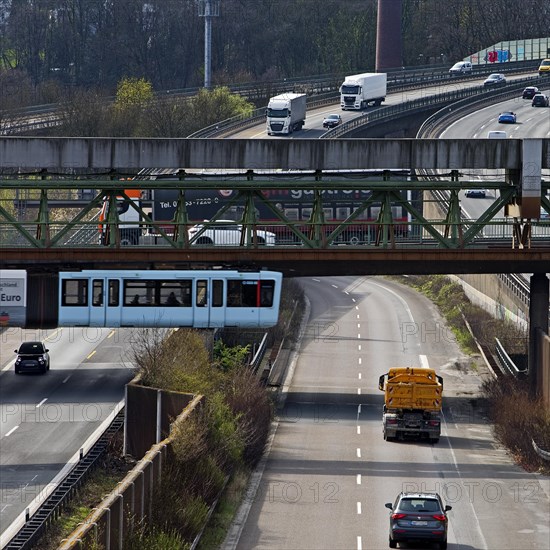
<point x="538" y="320"/>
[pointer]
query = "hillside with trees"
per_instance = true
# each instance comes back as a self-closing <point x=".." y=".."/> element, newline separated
<point x="47" y="45"/>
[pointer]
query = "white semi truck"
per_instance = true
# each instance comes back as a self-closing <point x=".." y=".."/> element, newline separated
<point x="358" y="90"/>
<point x="286" y="113"/>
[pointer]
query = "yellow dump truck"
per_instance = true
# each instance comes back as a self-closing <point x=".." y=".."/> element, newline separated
<point x="412" y="403"/>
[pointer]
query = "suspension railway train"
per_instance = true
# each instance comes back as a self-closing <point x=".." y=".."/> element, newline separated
<point x="140" y="298"/>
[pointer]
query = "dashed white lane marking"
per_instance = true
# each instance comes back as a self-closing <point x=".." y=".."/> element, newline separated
<point x="91" y="354"/>
<point x="424" y="362"/>
<point x="353" y="300"/>
<point x="358" y="507"/>
<point x="316" y="280"/>
<point x="358" y="316"/>
<point x="65" y="380"/>
<point x="11" y="431"/>
<point x="358" y="391"/>
<point x="359" y="347"/>
<point x="358" y="479"/>
<point x="359" y="336"/>
<point x="346" y="292"/>
<point x="360" y="360"/>
<point x="359" y="376"/>
<point x="358" y="451"/>
<point x="358" y="325"/>
<point x="334" y="286"/>
<point x="359" y="543"/>
<point x="358" y="430"/>
<point x="41" y="402"/>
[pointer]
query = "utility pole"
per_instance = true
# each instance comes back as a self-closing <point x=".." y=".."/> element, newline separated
<point x="208" y="9"/>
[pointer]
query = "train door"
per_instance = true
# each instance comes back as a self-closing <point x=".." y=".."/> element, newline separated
<point x="217" y="305"/>
<point x="201" y="307"/>
<point x="113" y="305"/>
<point x="97" y="309"/>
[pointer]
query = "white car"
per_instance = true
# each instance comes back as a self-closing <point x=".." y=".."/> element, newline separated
<point x="226" y="233"/>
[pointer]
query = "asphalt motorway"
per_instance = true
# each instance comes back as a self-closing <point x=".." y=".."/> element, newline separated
<point x="329" y="472"/>
<point x="46" y="419"/>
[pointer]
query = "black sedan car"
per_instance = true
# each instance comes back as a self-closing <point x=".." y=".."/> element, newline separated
<point x="33" y="357"/>
<point x="529" y="92"/>
<point x="418" y="517"/>
<point x="331" y="121"/>
<point x="494" y="80"/>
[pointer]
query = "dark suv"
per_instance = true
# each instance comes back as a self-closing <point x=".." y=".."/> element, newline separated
<point x="32" y="356"/>
<point x="418" y="517"/>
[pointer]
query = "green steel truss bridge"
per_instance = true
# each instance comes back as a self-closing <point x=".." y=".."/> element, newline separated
<point x="357" y="218"/>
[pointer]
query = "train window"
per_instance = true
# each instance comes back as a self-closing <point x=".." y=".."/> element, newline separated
<point x="266" y="293"/>
<point x="137" y="293"/>
<point x="114" y="292"/>
<point x="234" y="293"/>
<point x="74" y="292"/>
<point x="342" y="213"/>
<point x="242" y="293"/>
<point x="292" y="214"/>
<point x="327" y="212"/>
<point x="364" y="215"/>
<point x="217" y="293"/>
<point x="97" y="292"/>
<point x="202" y="295"/>
<point x="306" y="213"/>
<point x="185" y="289"/>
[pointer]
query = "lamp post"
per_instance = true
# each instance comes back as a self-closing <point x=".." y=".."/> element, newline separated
<point x="208" y="9"/>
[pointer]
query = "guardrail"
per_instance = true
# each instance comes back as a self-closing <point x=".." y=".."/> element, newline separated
<point x="507" y="362"/>
<point x="459" y="99"/>
<point x="51" y="508"/>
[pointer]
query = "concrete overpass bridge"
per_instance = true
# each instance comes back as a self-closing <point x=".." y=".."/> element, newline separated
<point x="404" y="234"/>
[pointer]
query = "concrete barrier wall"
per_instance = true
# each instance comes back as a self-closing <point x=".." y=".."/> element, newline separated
<point x="545" y="369"/>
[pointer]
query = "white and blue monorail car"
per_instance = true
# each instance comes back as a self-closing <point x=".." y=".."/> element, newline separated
<point x="193" y="298"/>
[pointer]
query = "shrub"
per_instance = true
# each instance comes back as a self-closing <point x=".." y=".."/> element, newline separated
<point x="518" y="419"/>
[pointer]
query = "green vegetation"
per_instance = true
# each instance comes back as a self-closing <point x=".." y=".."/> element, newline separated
<point x="133" y="92"/>
<point x="457" y="309"/>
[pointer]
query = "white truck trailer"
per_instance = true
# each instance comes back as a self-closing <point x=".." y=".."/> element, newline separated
<point x="286" y="113"/>
<point x="358" y="90"/>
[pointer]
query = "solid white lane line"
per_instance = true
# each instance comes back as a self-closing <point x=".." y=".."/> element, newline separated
<point x="91" y="354"/>
<point x="41" y="402"/>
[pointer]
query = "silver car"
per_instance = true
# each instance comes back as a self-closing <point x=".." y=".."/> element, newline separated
<point x="226" y="233"/>
<point x="418" y="517"/>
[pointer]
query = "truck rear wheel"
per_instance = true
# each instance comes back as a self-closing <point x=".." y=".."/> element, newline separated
<point x="434" y="439"/>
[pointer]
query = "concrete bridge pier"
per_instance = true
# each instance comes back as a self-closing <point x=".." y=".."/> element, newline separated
<point x="538" y="324"/>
